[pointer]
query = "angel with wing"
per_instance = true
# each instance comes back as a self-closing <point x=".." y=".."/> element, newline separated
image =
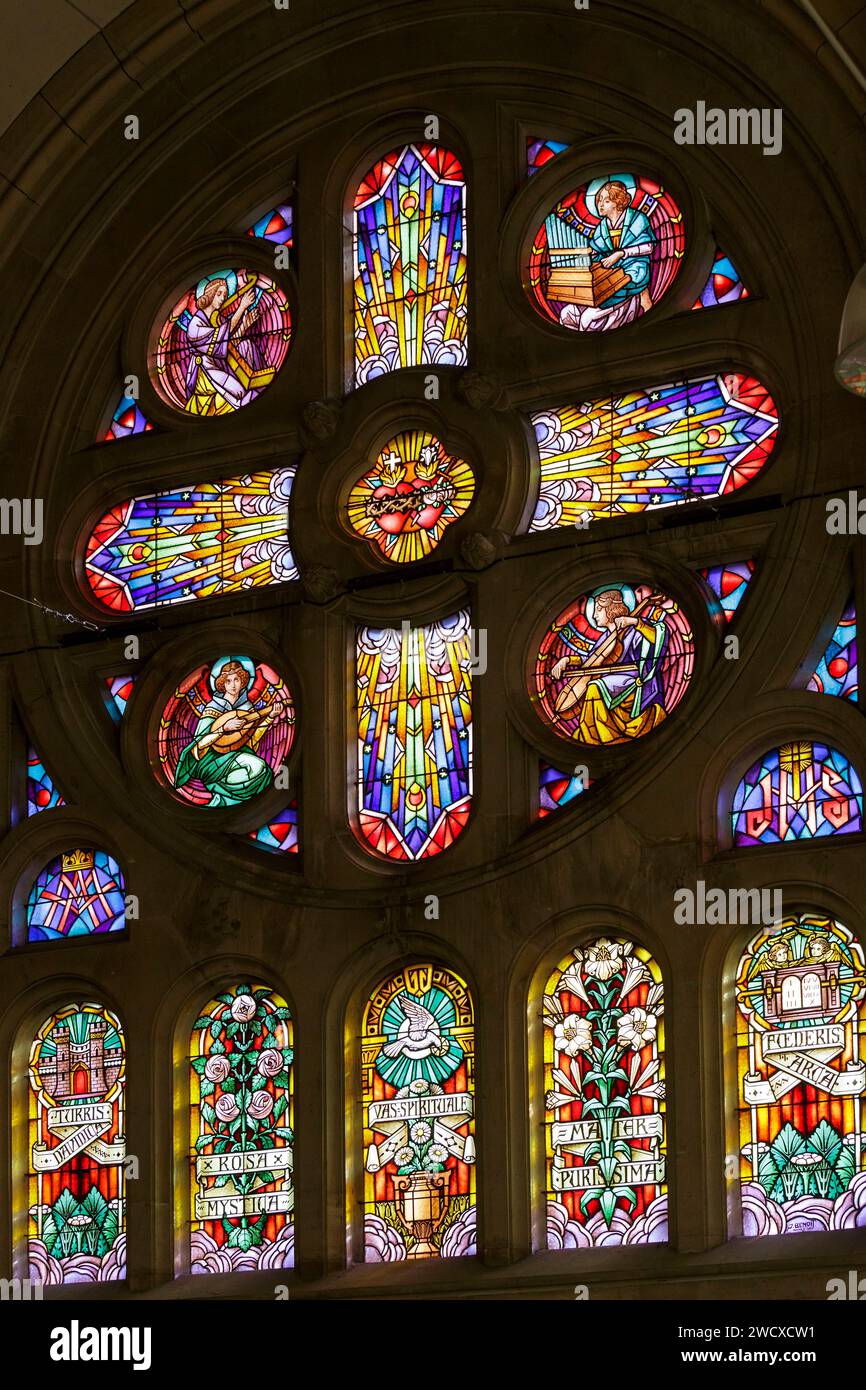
<point x="615" y="683"/>
<point x="228" y="732"/>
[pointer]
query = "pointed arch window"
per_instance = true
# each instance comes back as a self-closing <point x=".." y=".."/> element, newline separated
<point x="604" y="1077"/>
<point x="409" y="252"/>
<point x="76" y="1198"/>
<point x="417" y="1087"/>
<point x="414" y="736"/>
<point x="797" y="1137"/>
<point x="241" y="1135"/>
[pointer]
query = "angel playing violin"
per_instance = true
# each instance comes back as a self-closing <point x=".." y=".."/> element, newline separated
<point x="228" y="730"/>
<point x="615" y="680"/>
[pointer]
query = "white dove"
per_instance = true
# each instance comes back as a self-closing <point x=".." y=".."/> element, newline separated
<point x="419" y="1034"/>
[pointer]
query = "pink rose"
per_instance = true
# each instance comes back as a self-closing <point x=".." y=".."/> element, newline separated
<point x="227" y="1108"/>
<point x="243" y="1008"/>
<point x="261" y="1104"/>
<point x="270" y="1062"/>
<point x="217" y="1067"/>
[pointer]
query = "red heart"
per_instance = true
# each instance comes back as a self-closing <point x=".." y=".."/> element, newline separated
<point x="392" y="522"/>
<point x="428" y="516"/>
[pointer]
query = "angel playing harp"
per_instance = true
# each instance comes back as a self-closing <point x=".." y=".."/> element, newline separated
<point x="218" y="336"/>
<point x="616" y="680"/>
<point x="228" y="730"/>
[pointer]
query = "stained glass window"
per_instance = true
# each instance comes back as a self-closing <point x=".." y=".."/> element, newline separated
<point x="414" y="709"/>
<point x="606" y="253"/>
<point x="223" y="343"/>
<point x="418" y="1091"/>
<point x="226" y="732"/>
<point x="403" y="504"/>
<point x="799" y="791"/>
<point x="280" y="835"/>
<point x="604" y="1072"/>
<point x="127" y="419"/>
<point x="836" y="672"/>
<point x="241" y="1133"/>
<point x="77" y="1198"/>
<point x="275" y="225"/>
<point x="42" y="794"/>
<point x="800" y="1143"/>
<point x="193" y="542"/>
<point x="410" y="263"/>
<point x="729" y="584"/>
<point x="723" y="286"/>
<point x="651" y="447"/>
<point x="540" y="152"/>
<point x="613" y="665"/>
<point x="118" y="692"/>
<point x="78" y="893"/>
<point x="556" y="788"/>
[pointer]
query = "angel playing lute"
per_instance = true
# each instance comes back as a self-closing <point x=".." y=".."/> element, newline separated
<point x="228" y="731"/>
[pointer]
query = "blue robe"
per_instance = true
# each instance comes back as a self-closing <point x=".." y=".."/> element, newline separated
<point x="635" y="231"/>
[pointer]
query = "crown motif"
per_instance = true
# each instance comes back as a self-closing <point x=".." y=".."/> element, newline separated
<point x="78" y="859"/>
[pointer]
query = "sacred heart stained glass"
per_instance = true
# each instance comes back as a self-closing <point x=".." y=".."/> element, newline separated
<point x="223" y="343"/>
<point x="405" y="502"/>
<point x="613" y="665"/>
<point x="414" y="741"/>
<point x="226" y="732"/>
<point x="606" y="253"/>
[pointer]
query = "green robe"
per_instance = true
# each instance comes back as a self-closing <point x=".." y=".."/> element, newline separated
<point x="229" y="777"/>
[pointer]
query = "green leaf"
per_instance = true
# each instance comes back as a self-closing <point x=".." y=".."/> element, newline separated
<point x="607" y="1202"/>
<point x="590" y="1105"/>
<point x="205" y="1021"/>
